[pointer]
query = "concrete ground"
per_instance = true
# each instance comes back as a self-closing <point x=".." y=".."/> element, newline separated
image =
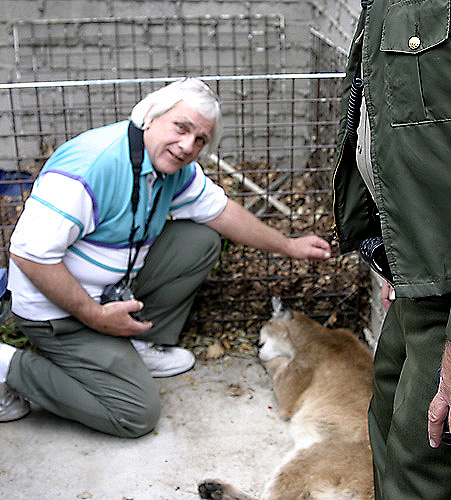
<point x="218" y="420"/>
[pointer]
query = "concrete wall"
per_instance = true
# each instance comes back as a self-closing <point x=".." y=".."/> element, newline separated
<point x="333" y="18"/>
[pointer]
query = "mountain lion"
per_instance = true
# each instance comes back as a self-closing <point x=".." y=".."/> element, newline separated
<point x="322" y="385"/>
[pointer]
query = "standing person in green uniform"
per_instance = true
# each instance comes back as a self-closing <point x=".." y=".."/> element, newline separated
<point x="392" y="188"/>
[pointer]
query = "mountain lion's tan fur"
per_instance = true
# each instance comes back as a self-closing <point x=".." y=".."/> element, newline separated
<point x="322" y="384"/>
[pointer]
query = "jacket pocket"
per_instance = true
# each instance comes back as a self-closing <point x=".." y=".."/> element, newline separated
<point x="418" y="61"/>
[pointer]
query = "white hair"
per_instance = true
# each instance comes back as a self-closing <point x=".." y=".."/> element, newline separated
<point x="194" y="92"/>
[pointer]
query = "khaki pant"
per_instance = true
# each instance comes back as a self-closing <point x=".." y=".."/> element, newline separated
<point x="405" y="381"/>
<point x="100" y="380"/>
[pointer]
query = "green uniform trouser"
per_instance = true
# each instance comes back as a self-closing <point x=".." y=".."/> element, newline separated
<point x="408" y="356"/>
<point x="100" y="380"/>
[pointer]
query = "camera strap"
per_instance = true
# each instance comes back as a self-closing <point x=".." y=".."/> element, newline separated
<point x="136" y="147"/>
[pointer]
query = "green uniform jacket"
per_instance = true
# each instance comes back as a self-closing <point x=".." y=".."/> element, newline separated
<point x="407" y="71"/>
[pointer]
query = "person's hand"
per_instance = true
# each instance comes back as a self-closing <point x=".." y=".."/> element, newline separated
<point x="439" y="408"/>
<point x="309" y="247"/>
<point x="388" y="295"/>
<point x="114" y="319"/>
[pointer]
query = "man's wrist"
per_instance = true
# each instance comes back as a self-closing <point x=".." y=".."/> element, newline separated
<point x="89" y="313"/>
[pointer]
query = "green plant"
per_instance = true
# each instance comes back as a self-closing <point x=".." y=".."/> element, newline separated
<point x="11" y="335"/>
<point x="218" y="270"/>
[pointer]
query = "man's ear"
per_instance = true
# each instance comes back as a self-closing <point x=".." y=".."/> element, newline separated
<point x="146" y="123"/>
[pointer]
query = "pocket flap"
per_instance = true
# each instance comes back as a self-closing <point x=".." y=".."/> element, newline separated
<point x="411" y="27"/>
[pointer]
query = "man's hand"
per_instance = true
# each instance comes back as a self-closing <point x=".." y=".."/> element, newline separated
<point x="440" y="405"/>
<point x="59" y="286"/>
<point x="309" y="247"/>
<point x="388" y="295"/>
<point x="114" y="319"/>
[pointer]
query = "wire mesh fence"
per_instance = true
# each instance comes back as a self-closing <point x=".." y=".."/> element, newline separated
<point x="271" y="160"/>
<point x="276" y="158"/>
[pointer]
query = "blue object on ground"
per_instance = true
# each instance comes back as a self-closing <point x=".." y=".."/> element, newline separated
<point x="3" y="281"/>
<point x="17" y="182"/>
<point x="5" y="296"/>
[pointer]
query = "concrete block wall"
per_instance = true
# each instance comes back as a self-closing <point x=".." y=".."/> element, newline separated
<point x="333" y="18"/>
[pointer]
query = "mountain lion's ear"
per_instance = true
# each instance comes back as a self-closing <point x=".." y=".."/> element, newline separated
<point x="278" y="310"/>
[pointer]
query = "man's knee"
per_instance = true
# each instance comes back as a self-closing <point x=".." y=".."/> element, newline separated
<point x="138" y="417"/>
<point x="131" y="395"/>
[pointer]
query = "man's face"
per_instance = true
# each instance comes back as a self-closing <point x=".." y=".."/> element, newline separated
<point x="176" y="138"/>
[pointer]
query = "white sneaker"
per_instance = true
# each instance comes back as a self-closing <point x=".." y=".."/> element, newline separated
<point x="12" y="405"/>
<point x="164" y="361"/>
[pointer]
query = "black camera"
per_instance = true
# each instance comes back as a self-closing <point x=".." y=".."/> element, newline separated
<point x="117" y="292"/>
<point x="372" y="251"/>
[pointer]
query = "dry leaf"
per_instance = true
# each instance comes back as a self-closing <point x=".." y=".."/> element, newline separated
<point x="214" y="351"/>
<point x="236" y="390"/>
